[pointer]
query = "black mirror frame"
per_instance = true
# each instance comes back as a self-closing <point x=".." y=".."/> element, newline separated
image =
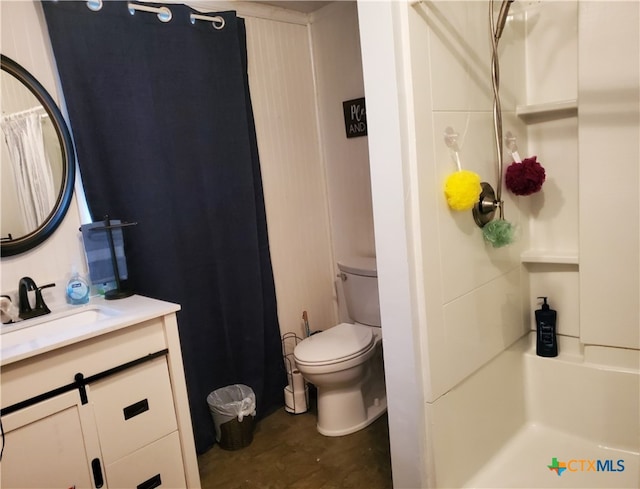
<point x="53" y="220"/>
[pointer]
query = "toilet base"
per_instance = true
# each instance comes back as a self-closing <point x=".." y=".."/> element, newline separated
<point x="342" y="411"/>
<point x="373" y="413"/>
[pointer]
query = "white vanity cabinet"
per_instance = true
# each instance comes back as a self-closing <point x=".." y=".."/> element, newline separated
<point x="47" y="446"/>
<point x="137" y="427"/>
<point x="105" y="409"/>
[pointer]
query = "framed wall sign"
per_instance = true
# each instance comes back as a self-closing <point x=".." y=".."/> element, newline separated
<point x="355" y="118"/>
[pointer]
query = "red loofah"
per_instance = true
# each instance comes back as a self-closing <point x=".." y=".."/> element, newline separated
<point x="525" y="178"/>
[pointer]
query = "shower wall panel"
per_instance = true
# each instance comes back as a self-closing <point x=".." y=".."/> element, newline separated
<point x="553" y="213"/>
<point x="473" y="305"/>
<point x="609" y="123"/>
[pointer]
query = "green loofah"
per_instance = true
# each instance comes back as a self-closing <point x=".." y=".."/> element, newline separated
<point x="499" y="233"/>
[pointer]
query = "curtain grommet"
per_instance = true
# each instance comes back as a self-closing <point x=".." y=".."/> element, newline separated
<point x="164" y="13"/>
<point x="217" y="22"/>
<point x="94" y="5"/>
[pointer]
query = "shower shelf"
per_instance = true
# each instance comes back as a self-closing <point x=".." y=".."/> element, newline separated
<point x="548" y="111"/>
<point x="552" y="257"/>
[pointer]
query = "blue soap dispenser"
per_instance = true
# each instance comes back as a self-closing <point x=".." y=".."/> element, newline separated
<point x="546" y="340"/>
<point x="77" y="289"/>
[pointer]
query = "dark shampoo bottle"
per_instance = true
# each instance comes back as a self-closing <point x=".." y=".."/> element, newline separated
<point x="546" y="342"/>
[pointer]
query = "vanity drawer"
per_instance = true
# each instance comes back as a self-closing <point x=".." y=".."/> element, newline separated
<point x="133" y="408"/>
<point x="54" y="369"/>
<point x="156" y="465"/>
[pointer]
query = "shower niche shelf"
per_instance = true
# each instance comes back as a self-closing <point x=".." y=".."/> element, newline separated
<point x="560" y="109"/>
<point x="550" y="257"/>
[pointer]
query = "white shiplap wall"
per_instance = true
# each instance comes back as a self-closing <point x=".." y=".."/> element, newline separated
<point x="317" y="182"/>
<point x="24" y="39"/>
<point x="284" y="102"/>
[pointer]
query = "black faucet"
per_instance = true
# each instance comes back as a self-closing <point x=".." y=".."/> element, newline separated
<point x="40" y="309"/>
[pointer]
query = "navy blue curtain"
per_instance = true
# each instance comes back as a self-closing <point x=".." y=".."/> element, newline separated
<point x="164" y="132"/>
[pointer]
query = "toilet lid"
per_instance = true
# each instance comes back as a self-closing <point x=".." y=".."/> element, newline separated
<point x="339" y="343"/>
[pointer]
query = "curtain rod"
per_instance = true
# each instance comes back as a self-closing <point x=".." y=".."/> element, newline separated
<point x="164" y="13"/>
<point x="213" y="20"/>
<point x="39" y="109"/>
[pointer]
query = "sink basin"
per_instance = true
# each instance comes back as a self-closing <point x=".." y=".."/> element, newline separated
<point x="65" y="323"/>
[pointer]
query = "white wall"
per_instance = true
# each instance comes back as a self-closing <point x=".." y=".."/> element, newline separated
<point x="338" y="68"/>
<point x="316" y="181"/>
<point x="338" y="74"/>
<point x="284" y="102"/>
<point x="397" y="260"/>
<point x="24" y="39"/>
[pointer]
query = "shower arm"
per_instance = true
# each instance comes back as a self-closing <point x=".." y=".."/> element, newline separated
<point x="495" y="84"/>
<point x="489" y="201"/>
<point x="495" y="79"/>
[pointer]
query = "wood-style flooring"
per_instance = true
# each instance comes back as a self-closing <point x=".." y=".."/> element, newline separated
<point x="288" y="452"/>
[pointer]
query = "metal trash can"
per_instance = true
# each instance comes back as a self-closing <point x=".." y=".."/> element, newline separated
<point x="233" y="409"/>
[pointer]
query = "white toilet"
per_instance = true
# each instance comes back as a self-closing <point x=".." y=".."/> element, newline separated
<point x="345" y="362"/>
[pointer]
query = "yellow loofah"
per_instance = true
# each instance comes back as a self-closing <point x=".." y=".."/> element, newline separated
<point x="462" y="190"/>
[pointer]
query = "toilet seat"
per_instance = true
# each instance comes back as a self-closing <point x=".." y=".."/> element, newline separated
<point x="338" y="344"/>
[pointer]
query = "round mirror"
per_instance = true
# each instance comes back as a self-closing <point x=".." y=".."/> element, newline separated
<point x="37" y="161"/>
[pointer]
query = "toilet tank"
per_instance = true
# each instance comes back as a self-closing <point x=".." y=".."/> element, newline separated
<point x="360" y="283"/>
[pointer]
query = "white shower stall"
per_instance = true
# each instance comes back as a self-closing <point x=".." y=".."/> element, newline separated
<point x="457" y="313"/>
<point x="470" y="404"/>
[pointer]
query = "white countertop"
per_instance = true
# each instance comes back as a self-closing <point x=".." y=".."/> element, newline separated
<point x="68" y="324"/>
